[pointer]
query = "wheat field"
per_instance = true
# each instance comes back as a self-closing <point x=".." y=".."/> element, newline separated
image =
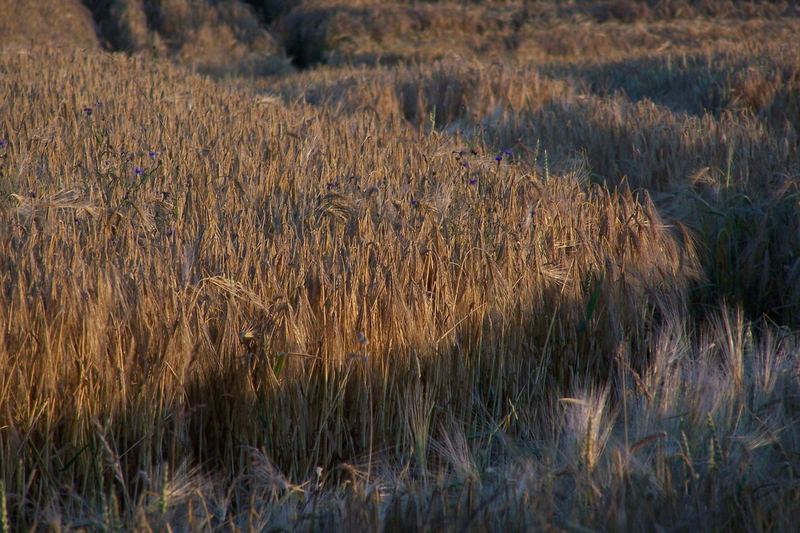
<point x="399" y="266"/>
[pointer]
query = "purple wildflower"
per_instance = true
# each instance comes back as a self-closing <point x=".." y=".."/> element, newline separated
<point x="414" y="202"/>
<point x="88" y="111"/>
<point x="152" y="154"/>
<point x="3" y="144"/>
<point x="465" y="164"/>
<point x="473" y="181"/>
<point x="507" y="152"/>
<point x="138" y="171"/>
<point x="498" y="158"/>
<point x="333" y="185"/>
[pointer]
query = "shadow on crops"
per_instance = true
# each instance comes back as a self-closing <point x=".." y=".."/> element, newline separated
<point x="502" y="348"/>
<point x="732" y="181"/>
<point x="684" y="85"/>
<point x="316" y="34"/>
<point x="762" y="82"/>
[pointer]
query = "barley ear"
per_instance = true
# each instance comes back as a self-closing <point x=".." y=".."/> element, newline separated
<point x="4" y="525"/>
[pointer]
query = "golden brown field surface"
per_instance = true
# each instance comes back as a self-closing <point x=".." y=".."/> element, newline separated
<point x="325" y="265"/>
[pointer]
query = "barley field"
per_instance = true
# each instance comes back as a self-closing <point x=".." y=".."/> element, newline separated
<point x="326" y="265"/>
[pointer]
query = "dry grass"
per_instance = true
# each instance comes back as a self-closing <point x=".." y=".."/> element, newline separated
<point x="26" y="22"/>
<point x="456" y="294"/>
<point x="373" y="31"/>
<point x="219" y="38"/>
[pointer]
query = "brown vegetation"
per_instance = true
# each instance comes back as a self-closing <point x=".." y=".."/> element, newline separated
<point x="488" y="266"/>
<point x="218" y="38"/>
<point x="30" y="22"/>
